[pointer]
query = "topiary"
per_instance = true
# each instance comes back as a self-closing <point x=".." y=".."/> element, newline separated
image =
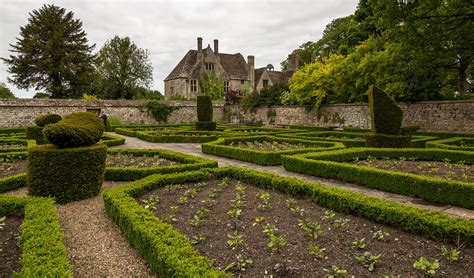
<point x="75" y="130"/>
<point x="385" y="114"/>
<point x="204" y="109"/>
<point x="47" y="119"/>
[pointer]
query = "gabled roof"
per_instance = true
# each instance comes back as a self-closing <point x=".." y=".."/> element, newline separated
<point x="275" y="76"/>
<point x="233" y="64"/>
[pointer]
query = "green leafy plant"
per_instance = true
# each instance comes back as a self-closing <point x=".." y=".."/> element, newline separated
<point x="197" y="239"/>
<point x="312" y="228"/>
<point x="264" y="200"/>
<point x="241" y="263"/>
<point x="328" y="214"/>
<point x="368" y="260"/>
<point x="2" y="222"/>
<point x="451" y="255"/>
<point x="359" y="244"/>
<point x="380" y="235"/>
<point x="429" y="268"/>
<point x="258" y="219"/>
<point x="159" y="111"/>
<point x="151" y="203"/>
<point x="275" y="242"/>
<point x="291" y="205"/>
<point x="317" y="251"/>
<point x="340" y="222"/>
<point x="234" y="239"/>
<point x="335" y="271"/>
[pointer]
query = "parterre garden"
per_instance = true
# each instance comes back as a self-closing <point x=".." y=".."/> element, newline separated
<point x="188" y="218"/>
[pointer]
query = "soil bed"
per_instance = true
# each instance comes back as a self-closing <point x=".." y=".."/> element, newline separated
<point x="128" y="160"/>
<point x="213" y="231"/>
<point x="12" y="167"/>
<point x="10" y="251"/>
<point x="10" y="146"/>
<point x="269" y="146"/>
<point x="436" y="169"/>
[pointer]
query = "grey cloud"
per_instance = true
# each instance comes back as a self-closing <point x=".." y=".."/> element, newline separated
<point x="269" y="29"/>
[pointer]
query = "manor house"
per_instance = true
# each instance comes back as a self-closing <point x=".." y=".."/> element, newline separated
<point x="232" y="69"/>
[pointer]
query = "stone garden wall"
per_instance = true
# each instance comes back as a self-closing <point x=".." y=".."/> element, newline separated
<point x="430" y="116"/>
<point x="22" y="112"/>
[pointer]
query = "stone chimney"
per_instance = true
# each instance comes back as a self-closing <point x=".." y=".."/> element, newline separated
<point x="293" y="61"/>
<point x="251" y="70"/>
<point x="199" y="44"/>
<point x="216" y="47"/>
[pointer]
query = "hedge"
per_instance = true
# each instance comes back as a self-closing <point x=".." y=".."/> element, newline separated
<point x="375" y="140"/>
<point x="129" y="174"/>
<point x="78" y="129"/>
<point x="182" y="136"/>
<point x="112" y="140"/>
<point x="168" y="252"/>
<point x="220" y="148"/>
<point x="311" y="128"/>
<point x="41" y="238"/>
<point x="68" y="174"/>
<point x="204" y="108"/>
<point x="356" y="139"/>
<point x="205" y="126"/>
<point x="13" y="141"/>
<point x="440" y="135"/>
<point x="12" y="130"/>
<point x="47" y="119"/>
<point x="248" y="130"/>
<point x="12" y="182"/>
<point x="36" y="133"/>
<point x="451" y="143"/>
<point x="385" y="114"/>
<point x="132" y="126"/>
<point x="330" y="165"/>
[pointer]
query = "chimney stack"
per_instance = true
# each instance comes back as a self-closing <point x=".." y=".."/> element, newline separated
<point x="216" y="47"/>
<point x="251" y="70"/>
<point x="293" y="61"/>
<point x="199" y="44"/>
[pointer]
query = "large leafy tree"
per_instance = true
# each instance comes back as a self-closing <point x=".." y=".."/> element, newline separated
<point x="123" y="69"/>
<point x="211" y="86"/>
<point x="5" y="91"/>
<point x="51" y="53"/>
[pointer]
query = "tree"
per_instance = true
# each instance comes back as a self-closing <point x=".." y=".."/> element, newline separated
<point x="41" y="95"/>
<point x="123" y="67"/>
<point x="52" y="53"/>
<point x="211" y="86"/>
<point x="5" y="91"/>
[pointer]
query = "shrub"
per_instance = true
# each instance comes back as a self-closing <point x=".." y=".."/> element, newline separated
<point x="36" y="133"/>
<point x="47" y="119"/>
<point x="204" y="109"/>
<point x="454" y="143"/>
<point x="66" y="174"/>
<point x="159" y="111"/>
<point x="387" y="141"/>
<point x="75" y="130"/>
<point x="205" y="126"/>
<point x="385" y="114"/>
<point x="409" y="129"/>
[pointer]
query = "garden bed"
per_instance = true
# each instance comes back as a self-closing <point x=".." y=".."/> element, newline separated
<point x="10" y="251"/>
<point x="11" y="167"/>
<point x="12" y="145"/>
<point x="123" y="160"/>
<point x="206" y="206"/>
<point x="335" y="165"/>
<point x="264" y="150"/>
<point x="455" y="143"/>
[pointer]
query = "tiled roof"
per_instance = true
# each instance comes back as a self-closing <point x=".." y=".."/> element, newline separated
<point x="234" y="65"/>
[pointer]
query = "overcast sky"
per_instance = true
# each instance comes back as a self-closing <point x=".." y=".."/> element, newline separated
<point x="269" y="30"/>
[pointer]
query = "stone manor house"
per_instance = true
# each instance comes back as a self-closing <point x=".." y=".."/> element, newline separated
<point x="232" y="69"/>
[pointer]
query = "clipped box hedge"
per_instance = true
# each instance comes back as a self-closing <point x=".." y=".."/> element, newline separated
<point x="129" y="174"/>
<point x="170" y="254"/>
<point x="12" y="182"/>
<point x="41" y="238"/>
<point x="68" y="174"/>
<point x="353" y="140"/>
<point x="249" y="130"/>
<point x="220" y="148"/>
<point x="112" y="140"/>
<point x="331" y="165"/>
<point x="36" y="133"/>
<point x="452" y="144"/>
<point x="12" y="130"/>
<point x="199" y="136"/>
<point x="13" y="141"/>
<point x="311" y="128"/>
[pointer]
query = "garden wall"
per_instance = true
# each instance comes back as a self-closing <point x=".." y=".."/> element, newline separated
<point x="22" y="112"/>
<point x="430" y="115"/>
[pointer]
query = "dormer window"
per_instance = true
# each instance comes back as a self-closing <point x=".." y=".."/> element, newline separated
<point x="209" y="66"/>
<point x="265" y="82"/>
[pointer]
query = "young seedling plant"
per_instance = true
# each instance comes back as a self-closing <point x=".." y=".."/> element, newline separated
<point x="368" y="260"/>
<point x="264" y="200"/>
<point x="429" y="268"/>
<point x="359" y="244"/>
<point x="291" y="205"/>
<point x="317" y="251"/>
<point x="234" y="239"/>
<point x="452" y="255"/>
<point x="275" y="241"/>
<point x="151" y="203"/>
<point x="241" y="263"/>
<point x="312" y="228"/>
<point x="380" y="235"/>
<point x="335" y="271"/>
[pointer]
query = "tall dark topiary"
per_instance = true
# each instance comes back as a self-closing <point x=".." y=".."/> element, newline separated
<point x="36" y="132"/>
<point x="385" y="114"/>
<point x="386" y="118"/>
<point x="204" y="113"/>
<point x="73" y="167"/>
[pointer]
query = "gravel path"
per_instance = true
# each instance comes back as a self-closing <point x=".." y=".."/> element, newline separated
<point x="95" y="244"/>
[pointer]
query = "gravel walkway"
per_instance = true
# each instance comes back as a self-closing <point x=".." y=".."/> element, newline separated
<point x="95" y="244"/>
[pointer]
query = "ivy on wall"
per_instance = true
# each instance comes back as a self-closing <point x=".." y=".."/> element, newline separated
<point x="159" y="111"/>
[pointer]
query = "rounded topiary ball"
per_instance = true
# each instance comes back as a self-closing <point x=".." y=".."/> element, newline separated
<point x="75" y="130"/>
<point x="47" y="119"/>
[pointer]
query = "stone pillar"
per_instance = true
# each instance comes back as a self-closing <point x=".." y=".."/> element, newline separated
<point x="293" y="61"/>
<point x="199" y="44"/>
<point x="216" y="47"/>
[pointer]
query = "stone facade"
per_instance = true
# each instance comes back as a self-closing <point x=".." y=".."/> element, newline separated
<point x="455" y="116"/>
<point x="22" y="112"/>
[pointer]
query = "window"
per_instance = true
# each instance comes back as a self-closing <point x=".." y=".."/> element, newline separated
<point x="265" y="82"/>
<point x="226" y="86"/>
<point x="209" y="66"/>
<point x="194" y="85"/>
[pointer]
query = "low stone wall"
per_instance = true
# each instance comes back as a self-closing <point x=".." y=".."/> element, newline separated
<point x="22" y="112"/>
<point x="454" y="116"/>
<point x="430" y="115"/>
